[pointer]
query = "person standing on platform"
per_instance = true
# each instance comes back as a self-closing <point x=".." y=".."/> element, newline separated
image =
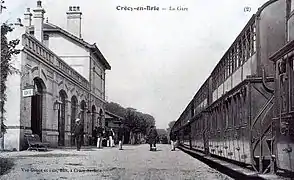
<point x="111" y="138"/>
<point x="106" y="136"/>
<point x="78" y="132"/>
<point x="172" y="140"/>
<point x="94" y="136"/>
<point x="120" y="136"/>
<point x="104" y="139"/>
<point x="99" y="136"/>
<point x="152" y="137"/>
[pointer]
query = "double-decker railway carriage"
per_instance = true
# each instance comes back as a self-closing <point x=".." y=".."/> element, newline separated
<point x="198" y="122"/>
<point x="184" y="132"/>
<point x="246" y="113"/>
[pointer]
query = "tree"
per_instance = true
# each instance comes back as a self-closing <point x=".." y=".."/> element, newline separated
<point x="116" y="109"/>
<point x="136" y="123"/>
<point x="8" y="49"/>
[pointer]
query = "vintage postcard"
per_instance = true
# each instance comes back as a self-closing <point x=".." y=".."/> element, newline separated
<point x="146" y="89"/>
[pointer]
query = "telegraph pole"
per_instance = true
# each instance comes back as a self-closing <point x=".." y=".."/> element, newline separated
<point x="1" y="95"/>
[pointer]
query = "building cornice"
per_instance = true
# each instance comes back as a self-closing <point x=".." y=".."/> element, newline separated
<point x="52" y="61"/>
<point x="48" y="27"/>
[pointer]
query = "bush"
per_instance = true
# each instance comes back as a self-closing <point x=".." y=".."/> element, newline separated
<point x="5" y="165"/>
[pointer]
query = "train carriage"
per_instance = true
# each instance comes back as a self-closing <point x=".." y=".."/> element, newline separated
<point x="283" y="120"/>
<point x="248" y="113"/>
<point x="198" y="121"/>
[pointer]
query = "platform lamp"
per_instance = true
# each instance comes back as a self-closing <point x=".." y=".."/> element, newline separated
<point x="94" y="123"/>
<point x="99" y="123"/>
<point x="89" y="119"/>
<point x="80" y="114"/>
<point x="56" y="106"/>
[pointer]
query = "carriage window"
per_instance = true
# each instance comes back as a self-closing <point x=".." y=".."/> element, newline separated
<point x="227" y="118"/>
<point x="292" y="5"/>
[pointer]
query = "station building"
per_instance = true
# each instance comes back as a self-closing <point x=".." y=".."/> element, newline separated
<point x="58" y="77"/>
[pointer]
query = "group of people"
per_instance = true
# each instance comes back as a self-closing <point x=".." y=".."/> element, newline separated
<point x="99" y="134"/>
<point x="152" y="137"/>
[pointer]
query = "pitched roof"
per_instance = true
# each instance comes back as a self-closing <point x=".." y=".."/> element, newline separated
<point x="48" y="27"/>
<point x="111" y="115"/>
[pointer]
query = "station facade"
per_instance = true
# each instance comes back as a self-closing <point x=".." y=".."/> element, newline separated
<point x="58" y="77"/>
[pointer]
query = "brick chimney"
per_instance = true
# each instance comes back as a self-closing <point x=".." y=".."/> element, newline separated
<point x="74" y="21"/>
<point x="27" y="18"/>
<point x="39" y="21"/>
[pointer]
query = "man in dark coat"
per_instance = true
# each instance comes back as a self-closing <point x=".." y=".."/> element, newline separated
<point x="78" y="132"/>
<point x="152" y="137"/>
<point x="120" y="136"/>
<point x="94" y="136"/>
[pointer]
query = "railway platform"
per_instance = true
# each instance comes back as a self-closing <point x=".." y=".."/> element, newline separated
<point x="134" y="162"/>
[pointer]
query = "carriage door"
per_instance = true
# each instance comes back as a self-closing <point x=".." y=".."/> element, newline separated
<point x="284" y="114"/>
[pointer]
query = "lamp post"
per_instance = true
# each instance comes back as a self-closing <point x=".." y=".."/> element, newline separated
<point x="82" y="118"/>
<point x="89" y="113"/>
<point x="56" y="106"/>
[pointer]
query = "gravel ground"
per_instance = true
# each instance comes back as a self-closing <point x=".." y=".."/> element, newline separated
<point x="5" y="165"/>
<point x="134" y="162"/>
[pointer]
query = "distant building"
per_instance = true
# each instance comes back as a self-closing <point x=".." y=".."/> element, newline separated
<point x="112" y="121"/>
<point x="61" y="77"/>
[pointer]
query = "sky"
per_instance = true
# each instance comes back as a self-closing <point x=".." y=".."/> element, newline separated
<point x="160" y="58"/>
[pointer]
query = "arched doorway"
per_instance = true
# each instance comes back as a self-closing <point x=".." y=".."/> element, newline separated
<point x="37" y="107"/>
<point x="61" y="117"/>
<point x="82" y="116"/>
<point x="74" y="107"/>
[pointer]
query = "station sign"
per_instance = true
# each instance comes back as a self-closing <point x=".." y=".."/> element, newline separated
<point x="28" y="91"/>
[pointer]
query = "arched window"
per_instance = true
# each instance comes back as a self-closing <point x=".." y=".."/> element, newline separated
<point x="74" y="107"/>
<point x="61" y="117"/>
